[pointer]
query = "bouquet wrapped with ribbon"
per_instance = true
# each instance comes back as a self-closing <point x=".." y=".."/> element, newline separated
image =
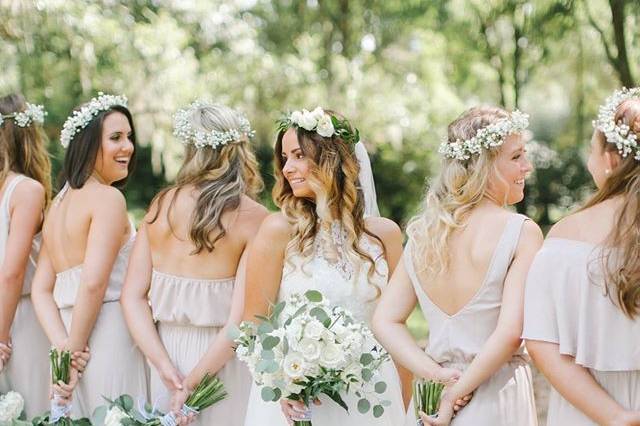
<point x="305" y="348"/>
<point x="426" y="396"/>
<point x="121" y="411"/>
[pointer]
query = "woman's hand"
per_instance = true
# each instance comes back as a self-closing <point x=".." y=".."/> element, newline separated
<point x="64" y="391"/>
<point x="444" y="416"/>
<point x="5" y="353"/>
<point x="178" y="398"/>
<point x="172" y="378"/>
<point x="446" y="376"/>
<point x="626" y="418"/>
<point x="294" y="408"/>
<point x="80" y="359"/>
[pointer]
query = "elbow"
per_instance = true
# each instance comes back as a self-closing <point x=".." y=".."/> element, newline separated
<point x="12" y="279"/>
<point x="96" y="287"/>
<point x="378" y="323"/>
<point x="511" y="340"/>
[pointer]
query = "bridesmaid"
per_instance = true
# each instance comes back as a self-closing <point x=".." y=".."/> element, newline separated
<point x="465" y="263"/>
<point x="86" y="242"/>
<point x="582" y="304"/>
<point x="187" y="266"/>
<point x="25" y="191"/>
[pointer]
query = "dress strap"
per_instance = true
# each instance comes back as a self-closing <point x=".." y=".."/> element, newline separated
<point x="6" y="197"/>
<point x="506" y="248"/>
<point x="61" y="194"/>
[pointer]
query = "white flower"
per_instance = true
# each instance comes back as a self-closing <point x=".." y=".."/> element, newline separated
<point x="115" y="416"/>
<point x="325" y="127"/>
<point x="310" y="349"/>
<point x="293" y="365"/>
<point x="317" y="113"/>
<point x="313" y="330"/>
<point x="79" y="119"/>
<point x="296" y="117"/>
<point x="293" y="388"/>
<point x="618" y="133"/>
<point x="354" y="370"/>
<point x="11" y="406"/>
<point x="331" y="356"/>
<point x="308" y="121"/>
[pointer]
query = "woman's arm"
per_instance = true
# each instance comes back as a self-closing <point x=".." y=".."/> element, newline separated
<point x="104" y="240"/>
<point x="578" y="386"/>
<point x="27" y="204"/>
<point x="505" y="339"/>
<point x="138" y="315"/>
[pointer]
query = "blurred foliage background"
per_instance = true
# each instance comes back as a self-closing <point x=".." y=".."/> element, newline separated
<point x="399" y="69"/>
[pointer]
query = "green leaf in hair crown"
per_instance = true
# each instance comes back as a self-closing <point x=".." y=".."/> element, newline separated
<point x="321" y="122"/>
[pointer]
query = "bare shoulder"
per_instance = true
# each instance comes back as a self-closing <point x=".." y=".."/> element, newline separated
<point x="276" y="229"/>
<point x="568" y="226"/>
<point x="252" y="209"/>
<point x="531" y="236"/>
<point x="29" y="193"/>
<point x="105" y="199"/>
<point x="384" y="228"/>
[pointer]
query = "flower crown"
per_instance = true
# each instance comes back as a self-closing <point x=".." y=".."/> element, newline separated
<point x="492" y="135"/>
<point x="324" y="124"/>
<point x="81" y="118"/>
<point x="32" y="114"/>
<point x="200" y="138"/>
<point x="618" y="133"/>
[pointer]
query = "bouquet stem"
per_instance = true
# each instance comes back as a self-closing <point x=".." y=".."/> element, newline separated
<point x="302" y="423"/>
<point x="426" y="397"/>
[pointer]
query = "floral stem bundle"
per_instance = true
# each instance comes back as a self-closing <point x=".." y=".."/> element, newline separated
<point x="426" y="396"/>
<point x="306" y="348"/>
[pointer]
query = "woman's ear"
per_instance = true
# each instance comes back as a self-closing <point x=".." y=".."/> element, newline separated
<point x="612" y="158"/>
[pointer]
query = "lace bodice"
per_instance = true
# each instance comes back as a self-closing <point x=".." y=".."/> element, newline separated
<point x="329" y="270"/>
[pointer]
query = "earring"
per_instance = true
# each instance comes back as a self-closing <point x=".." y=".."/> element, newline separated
<point x="607" y="172"/>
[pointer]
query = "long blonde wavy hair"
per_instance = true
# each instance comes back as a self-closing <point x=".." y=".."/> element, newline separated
<point x="621" y="266"/>
<point x="23" y="149"/>
<point x="221" y="176"/>
<point x="334" y="180"/>
<point x="454" y="192"/>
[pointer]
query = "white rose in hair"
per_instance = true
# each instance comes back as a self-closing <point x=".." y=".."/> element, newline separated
<point x="318" y="113"/>
<point x="307" y="121"/>
<point x="325" y="127"/>
<point x="310" y="349"/>
<point x="296" y="116"/>
<point x="313" y="330"/>
<point x="331" y="356"/>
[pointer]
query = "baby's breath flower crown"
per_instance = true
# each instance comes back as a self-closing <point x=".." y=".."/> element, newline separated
<point x="81" y="118"/>
<point x="324" y="124"/>
<point x="492" y="135"/>
<point x="618" y="133"/>
<point x="183" y="130"/>
<point x="32" y="114"/>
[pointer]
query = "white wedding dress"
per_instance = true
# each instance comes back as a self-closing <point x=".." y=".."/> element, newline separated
<point x="348" y="285"/>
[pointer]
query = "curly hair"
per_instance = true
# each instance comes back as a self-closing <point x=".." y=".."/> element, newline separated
<point x="455" y="191"/>
<point x="334" y="180"/>
<point x="622" y="266"/>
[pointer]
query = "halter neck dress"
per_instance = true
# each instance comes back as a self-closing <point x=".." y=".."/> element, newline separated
<point x="27" y="372"/>
<point x="506" y="398"/>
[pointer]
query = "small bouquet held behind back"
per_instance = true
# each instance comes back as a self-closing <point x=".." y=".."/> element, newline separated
<point x="306" y="348"/>
<point x="121" y="411"/>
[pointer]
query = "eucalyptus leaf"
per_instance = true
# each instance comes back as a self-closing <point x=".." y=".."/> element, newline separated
<point x="364" y="405"/>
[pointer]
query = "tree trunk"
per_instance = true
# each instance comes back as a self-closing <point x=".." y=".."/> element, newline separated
<point x="622" y="66"/>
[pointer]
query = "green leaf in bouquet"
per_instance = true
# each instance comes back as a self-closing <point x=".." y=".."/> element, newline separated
<point x="277" y="310"/>
<point x="233" y="332"/>
<point x="125" y="402"/>
<point x="270" y="342"/>
<point x="313" y="296"/>
<point x="265" y="328"/>
<point x="367" y="374"/>
<point x="378" y="410"/>
<point x="380" y="387"/>
<point x="366" y="359"/>
<point x="266" y="366"/>
<point x="262" y="318"/>
<point x="99" y="414"/>
<point x="285" y="346"/>
<point x="267" y="394"/>
<point x="385" y="403"/>
<point x="320" y="314"/>
<point x="267" y="354"/>
<point x="297" y="313"/>
<point x="364" y="405"/>
<point x="335" y="397"/>
<point x="83" y="422"/>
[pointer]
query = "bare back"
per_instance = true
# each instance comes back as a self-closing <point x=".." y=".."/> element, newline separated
<point x="471" y="250"/>
<point x="68" y="221"/>
<point x="592" y="225"/>
<point x="172" y="250"/>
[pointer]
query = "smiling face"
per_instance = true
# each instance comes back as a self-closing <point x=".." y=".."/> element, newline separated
<point x="296" y="167"/>
<point x="116" y="148"/>
<point x="506" y="182"/>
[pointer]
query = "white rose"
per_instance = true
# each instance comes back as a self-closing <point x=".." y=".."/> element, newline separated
<point x="307" y="121"/>
<point x="331" y="356"/>
<point x="325" y="127"/>
<point x="318" y="113"/>
<point x="310" y="349"/>
<point x="11" y="406"/>
<point x="341" y="331"/>
<point x="295" y="118"/>
<point x="114" y="416"/>
<point x="314" y="329"/>
<point x="354" y="370"/>
<point x="294" y="332"/>
<point x="293" y="388"/>
<point x="293" y="365"/>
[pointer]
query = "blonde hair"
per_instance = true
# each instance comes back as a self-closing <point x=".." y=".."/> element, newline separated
<point x="455" y="191"/>
<point x="334" y="179"/>
<point x="221" y="175"/>
<point x="23" y="149"/>
<point x="622" y="266"/>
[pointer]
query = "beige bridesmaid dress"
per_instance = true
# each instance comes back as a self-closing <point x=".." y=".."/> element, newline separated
<point x="28" y="369"/>
<point x="565" y="304"/>
<point x="189" y="314"/>
<point x="506" y="398"/>
<point x="117" y="366"/>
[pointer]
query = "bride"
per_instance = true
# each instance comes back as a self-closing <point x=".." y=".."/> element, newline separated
<point x="321" y="240"/>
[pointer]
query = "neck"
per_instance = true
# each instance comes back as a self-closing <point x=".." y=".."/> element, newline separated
<point x="95" y="175"/>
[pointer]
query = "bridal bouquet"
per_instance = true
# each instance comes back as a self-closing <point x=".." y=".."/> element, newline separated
<point x="121" y="411"/>
<point x="306" y="348"/>
<point x="59" y="414"/>
<point x="426" y="396"/>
